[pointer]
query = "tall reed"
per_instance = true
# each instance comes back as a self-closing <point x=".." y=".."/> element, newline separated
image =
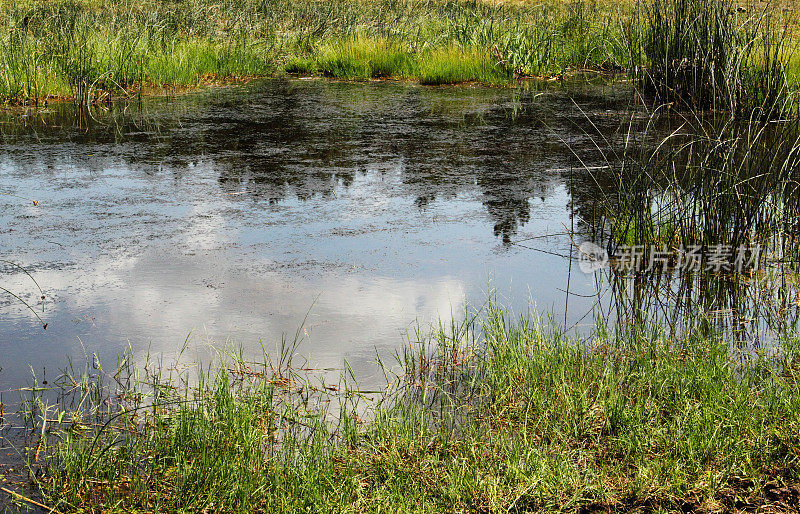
<point x="717" y="54"/>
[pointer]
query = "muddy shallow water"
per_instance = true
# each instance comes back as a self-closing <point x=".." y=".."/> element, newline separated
<point x="228" y="216"/>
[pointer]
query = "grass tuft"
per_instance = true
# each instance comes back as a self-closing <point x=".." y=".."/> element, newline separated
<point x="365" y="58"/>
<point x="455" y="65"/>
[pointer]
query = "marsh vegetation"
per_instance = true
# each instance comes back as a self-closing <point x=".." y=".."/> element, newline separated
<point x="90" y="49"/>
<point x="492" y="414"/>
<point x="671" y="400"/>
<point x="682" y="394"/>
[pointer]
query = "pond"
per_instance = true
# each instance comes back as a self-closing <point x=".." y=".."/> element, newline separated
<point x="352" y="212"/>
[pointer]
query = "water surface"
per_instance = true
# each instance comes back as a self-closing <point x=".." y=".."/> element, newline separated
<point x="230" y="216"/>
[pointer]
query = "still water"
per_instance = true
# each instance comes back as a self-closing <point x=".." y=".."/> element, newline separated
<point x="230" y="216"/>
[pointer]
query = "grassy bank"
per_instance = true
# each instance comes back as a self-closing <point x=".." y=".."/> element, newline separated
<point x="495" y="414"/>
<point x="89" y="49"/>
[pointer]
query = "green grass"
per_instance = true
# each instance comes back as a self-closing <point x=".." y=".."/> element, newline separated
<point x="454" y="65"/>
<point x="189" y="63"/>
<point x="91" y="48"/>
<point x="88" y="48"/>
<point x="492" y="414"/>
<point x="364" y="58"/>
<point x="85" y="49"/>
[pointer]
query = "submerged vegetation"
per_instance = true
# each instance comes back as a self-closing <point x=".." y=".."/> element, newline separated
<point x="492" y="414"/>
<point x="89" y="49"/>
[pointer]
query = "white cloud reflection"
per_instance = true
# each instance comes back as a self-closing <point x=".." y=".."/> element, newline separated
<point x="155" y="300"/>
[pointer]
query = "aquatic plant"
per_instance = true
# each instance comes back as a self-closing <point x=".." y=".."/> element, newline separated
<point x="364" y="58"/>
<point x="717" y="54"/>
<point x="710" y="182"/>
<point x="454" y="65"/>
<point x="492" y="413"/>
<point x="89" y="49"/>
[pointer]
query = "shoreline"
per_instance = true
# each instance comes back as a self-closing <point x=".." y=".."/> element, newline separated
<point x="171" y="90"/>
<point x="522" y="418"/>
